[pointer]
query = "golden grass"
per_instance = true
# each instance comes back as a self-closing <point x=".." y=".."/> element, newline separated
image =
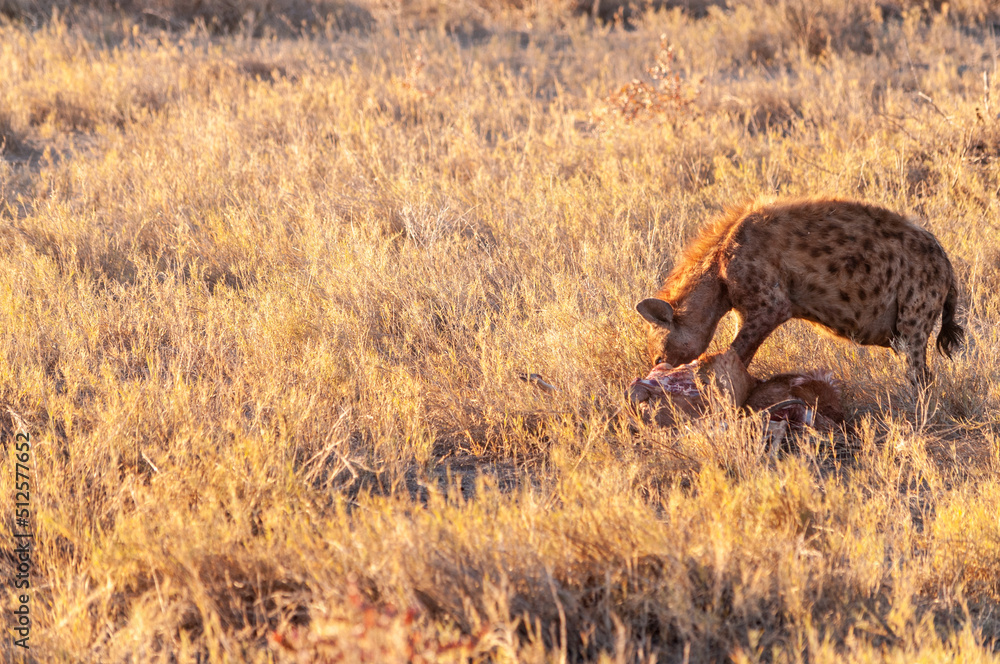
<point x="263" y="300"/>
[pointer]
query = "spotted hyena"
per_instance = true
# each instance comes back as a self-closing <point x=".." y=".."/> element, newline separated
<point x="860" y="271"/>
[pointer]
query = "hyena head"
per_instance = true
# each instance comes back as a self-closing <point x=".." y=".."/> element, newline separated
<point x="669" y="339"/>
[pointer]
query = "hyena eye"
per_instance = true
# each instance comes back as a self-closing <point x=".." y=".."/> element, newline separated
<point x="659" y="360"/>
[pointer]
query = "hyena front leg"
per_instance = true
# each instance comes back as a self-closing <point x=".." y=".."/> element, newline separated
<point x="756" y="293"/>
<point x="756" y="323"/>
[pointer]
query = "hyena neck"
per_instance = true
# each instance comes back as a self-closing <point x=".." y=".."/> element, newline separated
<point x="700" y="300"/>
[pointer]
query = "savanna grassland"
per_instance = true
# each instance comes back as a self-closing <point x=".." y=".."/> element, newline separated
<point x="268" y="276"/>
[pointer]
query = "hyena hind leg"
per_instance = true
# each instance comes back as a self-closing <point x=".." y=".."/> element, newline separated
<point x="912" y="342"/>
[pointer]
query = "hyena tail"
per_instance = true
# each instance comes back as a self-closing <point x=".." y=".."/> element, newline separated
<point x="950" y="336"/>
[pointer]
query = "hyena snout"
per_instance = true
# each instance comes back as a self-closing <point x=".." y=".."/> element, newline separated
<point x="666" y="340"/>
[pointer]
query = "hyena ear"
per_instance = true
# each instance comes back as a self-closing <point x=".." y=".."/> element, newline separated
<point x="656" y="311"/>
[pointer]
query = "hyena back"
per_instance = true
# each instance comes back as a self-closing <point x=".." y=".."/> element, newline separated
<point x="860" y="271"/>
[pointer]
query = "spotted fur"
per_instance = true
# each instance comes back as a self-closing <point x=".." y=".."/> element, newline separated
<point x="860" y="271"/>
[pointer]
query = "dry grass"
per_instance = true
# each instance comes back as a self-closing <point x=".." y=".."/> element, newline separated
<point x="248" y="16"/>
<point x="263" y="300"/>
